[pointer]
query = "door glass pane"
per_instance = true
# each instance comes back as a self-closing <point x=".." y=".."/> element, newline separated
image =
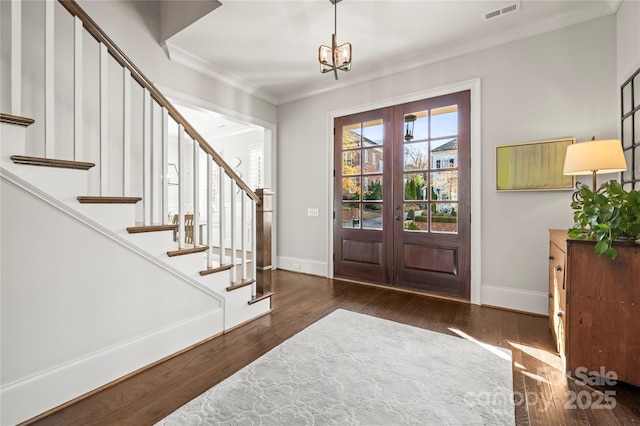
<point x="444" y="217"/>
<point x="444" y="153"/>
<point x="416" y="126"/>
<point x="444" y="121"/>
<point x="372" y="188"/>
<point x="415" y="186"/>
<point x="416" y="156"/>
<point x="372" y="160"/>
<point x="372" y="216"/>
<point x="351" y="136"/>
<point x="416" y="217"/>
<point x="361" y="175"/>
<point x="351" y="162"/>
<point x="372" y="133"/>
<point x="350" y="215"/>
<point x="444" y="185"/>
<point x="351" y="188"/>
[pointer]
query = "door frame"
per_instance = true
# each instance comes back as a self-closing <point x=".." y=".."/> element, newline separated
<point x="476" y="175"/>
<point x="270" y="148"/>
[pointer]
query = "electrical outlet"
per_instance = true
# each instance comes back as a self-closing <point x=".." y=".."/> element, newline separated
<point x="312" y="212"/>
<point x="296" y="266"/>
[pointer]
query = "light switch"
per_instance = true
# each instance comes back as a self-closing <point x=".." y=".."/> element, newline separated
<point x="312" y="212"/>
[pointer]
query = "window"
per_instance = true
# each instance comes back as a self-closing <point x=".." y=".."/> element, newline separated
<point x="256" y="166"/>
<point x="630" y="97"/>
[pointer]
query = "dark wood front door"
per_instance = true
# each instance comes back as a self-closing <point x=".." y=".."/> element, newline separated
<point x="402" y="195"/>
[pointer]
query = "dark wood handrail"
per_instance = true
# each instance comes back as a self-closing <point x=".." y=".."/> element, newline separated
<point x="90" y="25"/>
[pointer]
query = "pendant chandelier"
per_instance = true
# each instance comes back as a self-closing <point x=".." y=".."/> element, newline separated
<point x="336" y="57"/>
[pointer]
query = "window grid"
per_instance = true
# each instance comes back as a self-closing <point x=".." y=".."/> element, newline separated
<point x="630" y="125"/>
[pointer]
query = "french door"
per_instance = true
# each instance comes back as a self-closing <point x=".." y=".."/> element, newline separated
<point x="402" y="195"/>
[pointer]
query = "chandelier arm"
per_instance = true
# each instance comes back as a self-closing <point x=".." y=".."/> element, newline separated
<point x="334" y="52"/>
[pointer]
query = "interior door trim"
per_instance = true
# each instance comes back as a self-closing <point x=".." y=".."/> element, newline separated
<point x="474" y="86"/>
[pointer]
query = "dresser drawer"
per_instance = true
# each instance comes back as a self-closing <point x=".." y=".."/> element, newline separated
<point x="557" y="293"/>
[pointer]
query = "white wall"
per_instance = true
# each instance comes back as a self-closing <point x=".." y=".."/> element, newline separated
<point x="628" y="31"/>
<point x="237" y="146"/>
<point x="554" y="85"/>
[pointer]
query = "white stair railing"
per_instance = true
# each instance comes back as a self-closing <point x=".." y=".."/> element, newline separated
<point x="123" y="126"/>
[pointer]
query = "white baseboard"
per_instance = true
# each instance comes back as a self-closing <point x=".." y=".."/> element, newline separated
<point x="32" y="396"/>
<point x="302" y="265"/>
<point x="534" y="302"/>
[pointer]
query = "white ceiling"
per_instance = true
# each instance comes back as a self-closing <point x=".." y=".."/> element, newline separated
<point x="269" y="47"/>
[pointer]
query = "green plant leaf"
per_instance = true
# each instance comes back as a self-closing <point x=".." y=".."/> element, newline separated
<point x="614" y="187"/>
<point x="611" y="253"/>
<point x="602" y="247"/>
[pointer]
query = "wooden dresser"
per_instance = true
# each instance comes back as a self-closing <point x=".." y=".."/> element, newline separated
<point x="594" y="307"/>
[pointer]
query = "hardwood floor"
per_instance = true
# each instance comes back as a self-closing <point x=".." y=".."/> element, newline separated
<point x="542" y="394"/>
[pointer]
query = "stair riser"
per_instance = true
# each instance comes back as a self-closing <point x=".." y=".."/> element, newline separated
<point x="238" y="311"/>
<point x="156" y="243"/>
<point x="217" y="282"/>
<point x="116" y="217"/>
<point x="13" y="139"/>
<point x="62" y="184"/>
<point x="190" y="264"/>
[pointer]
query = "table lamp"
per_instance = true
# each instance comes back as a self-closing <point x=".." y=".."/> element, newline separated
<point x="594" y="157"/>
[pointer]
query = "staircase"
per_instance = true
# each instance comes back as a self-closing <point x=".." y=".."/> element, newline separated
<point x="107" y="265"/>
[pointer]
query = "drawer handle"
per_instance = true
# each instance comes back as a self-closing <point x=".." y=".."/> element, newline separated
<point x="560" y="314"/>
<point x="558" y="268"/>
<point x="551" y="257"/>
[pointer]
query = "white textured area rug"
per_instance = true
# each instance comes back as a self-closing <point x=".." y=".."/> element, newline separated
<point x="354" y="369"/>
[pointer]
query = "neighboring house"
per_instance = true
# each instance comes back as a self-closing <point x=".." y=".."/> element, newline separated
<point x="445" y="157"/>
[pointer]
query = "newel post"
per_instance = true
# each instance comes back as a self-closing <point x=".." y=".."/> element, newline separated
<point x="264" y="214"/>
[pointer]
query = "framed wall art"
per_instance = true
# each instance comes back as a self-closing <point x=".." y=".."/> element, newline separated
<point x="533" y="166"/>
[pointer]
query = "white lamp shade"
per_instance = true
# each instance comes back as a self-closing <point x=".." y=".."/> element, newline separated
<point x="604" y="156"/>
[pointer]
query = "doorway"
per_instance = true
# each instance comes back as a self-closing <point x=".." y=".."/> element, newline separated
<point x="403" y="195"/>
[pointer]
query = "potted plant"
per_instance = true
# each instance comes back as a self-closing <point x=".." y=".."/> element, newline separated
<point x="609" y="213"/>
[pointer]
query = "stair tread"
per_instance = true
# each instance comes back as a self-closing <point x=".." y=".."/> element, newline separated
<point x="91" y="199"/>
<point x="260" y="296"/>
<point x="240" y="284"/>
<point x="151" y="228"/>
<point x="188" y="250"/>
<point x="51" y="162"/>
<point x="213" y="270"/>
<point x="16" y="119"/>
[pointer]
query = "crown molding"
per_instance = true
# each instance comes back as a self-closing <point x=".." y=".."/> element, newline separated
<point x="189" y="60"/>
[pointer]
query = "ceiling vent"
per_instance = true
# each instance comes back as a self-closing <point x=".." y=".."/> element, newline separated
<point x="502" y="11"/>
